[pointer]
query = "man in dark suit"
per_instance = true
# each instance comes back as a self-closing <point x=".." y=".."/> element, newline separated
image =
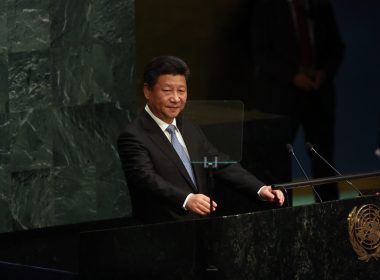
<point x="297" y="52"/>
<point x="156" y="153"/>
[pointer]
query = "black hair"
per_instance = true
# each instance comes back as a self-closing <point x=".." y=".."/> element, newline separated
<point x="162" y="65"/>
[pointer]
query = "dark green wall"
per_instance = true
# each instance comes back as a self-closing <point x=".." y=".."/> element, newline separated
<point x="67" y="87"/>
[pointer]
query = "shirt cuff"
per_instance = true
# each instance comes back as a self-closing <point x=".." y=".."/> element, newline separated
<point x="187" y="198"/>
<point x="258" y="193"/>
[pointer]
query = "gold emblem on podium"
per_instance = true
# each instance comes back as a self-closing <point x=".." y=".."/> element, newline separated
<point x="364" y="231"/>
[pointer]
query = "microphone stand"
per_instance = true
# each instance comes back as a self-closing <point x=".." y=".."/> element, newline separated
<point x="310" y="147"/>
<point x="291" y="151"/>
<point x="211" y="166"/>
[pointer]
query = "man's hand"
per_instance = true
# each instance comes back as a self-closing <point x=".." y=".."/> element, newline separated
<point x="306" y="82"/>
<point x="320" y="78"/>
<point x="270" y="195"/>
<point x="200" y="204"/>
<point x="303" y="82"/>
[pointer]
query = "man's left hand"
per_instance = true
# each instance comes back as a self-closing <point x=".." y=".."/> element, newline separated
<point x="270" y="195"/>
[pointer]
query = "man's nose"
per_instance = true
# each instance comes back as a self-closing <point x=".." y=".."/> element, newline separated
<point x="175" y="97"/>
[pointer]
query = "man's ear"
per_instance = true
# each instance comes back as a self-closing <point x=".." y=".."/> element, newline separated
<point x="147" y="91"/>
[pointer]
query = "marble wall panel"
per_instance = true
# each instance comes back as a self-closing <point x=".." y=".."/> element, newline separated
<point x="32" y="199"/>
<point x="86" y="135"/>
<point x="112" y="29"/>
<point x="69" y="23"/>
<point x="4" y="97"/>
<point x="5" y="140"/>
<point x="31" y="141"/>
<point x="113" y="198"/>
<point x="29" y="81"/>
<point x="93" y="52"/>
<point x="3" y="58"/>
<point x="3" y="26"/>
<point x="62" y="195"/>
<point x="26" y="140"/>
<point x="82" y="194"/>
<point x="112" y="195"/>
<point x="67" y="88"/>
<point x="85" y="138"/>
<point x="75" y="194"/>
<point x="73" y="76"/>
<point x="28" y="25"/>
<point x="5" y="201"/>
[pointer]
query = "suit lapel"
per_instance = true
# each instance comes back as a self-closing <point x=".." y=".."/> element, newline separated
<point x="161" y="141"/>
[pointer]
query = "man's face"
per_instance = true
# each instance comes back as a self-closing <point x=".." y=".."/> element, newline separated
<point x="168" y="96"/>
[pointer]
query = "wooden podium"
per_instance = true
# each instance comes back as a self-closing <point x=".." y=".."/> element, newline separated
<point x="304" y="242"/>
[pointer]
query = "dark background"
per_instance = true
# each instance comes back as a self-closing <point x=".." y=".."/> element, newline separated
<point x="358" y="85"/>
<point x="214" y="38"/>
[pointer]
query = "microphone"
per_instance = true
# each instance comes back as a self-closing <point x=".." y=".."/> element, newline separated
<point x="289" y="147"/>
<point x="310" y="147"/>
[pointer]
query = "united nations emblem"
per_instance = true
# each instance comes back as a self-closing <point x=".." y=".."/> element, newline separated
<point x="364" y="231"/>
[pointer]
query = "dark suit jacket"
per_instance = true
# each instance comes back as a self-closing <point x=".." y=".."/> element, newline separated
<point x="275" y="52"/>
<point x="157" y="180"/>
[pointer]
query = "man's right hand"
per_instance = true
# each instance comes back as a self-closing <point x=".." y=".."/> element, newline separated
<point x="304" y="82"/>
<point x="200" y="204"/>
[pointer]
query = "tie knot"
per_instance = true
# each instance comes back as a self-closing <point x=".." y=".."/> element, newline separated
<point x="171" y="128"/>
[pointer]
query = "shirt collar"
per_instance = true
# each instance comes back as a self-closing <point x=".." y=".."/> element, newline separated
<point x="163" y="125"/>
